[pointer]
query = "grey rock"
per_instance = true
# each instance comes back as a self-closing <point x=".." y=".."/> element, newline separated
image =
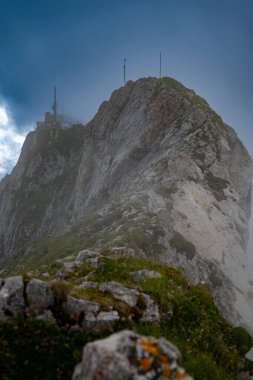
<point x="88" y="285"/>
<point x="108" y="316"/>
<point x="69" y="266"/>
<point x="151" y="313"/>
<point x="76" y="308"/>
<point x="123" y="293"/>
<point x="40" y="297"/>
<point x="104" y="321"/>
<point x="93" y="262"/>
<point x="127" y="355"/>
<point x="85" y="254"/>
<point x="144" y="274"/>
<point x="119" y="252"/>
<point x="249" y="355"/>
<point x="12" y="303"/>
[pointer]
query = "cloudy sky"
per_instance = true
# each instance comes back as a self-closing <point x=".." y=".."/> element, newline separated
<point x="79" y="46"/>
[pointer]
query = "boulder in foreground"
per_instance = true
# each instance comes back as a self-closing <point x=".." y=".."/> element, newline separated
<point x="129" y="356"/>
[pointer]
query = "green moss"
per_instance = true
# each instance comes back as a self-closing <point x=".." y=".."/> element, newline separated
<point x="217" y="184"/>
<point x="166" y="192"/>
<point x="182" y="245"/>
<point x="199" y="156"/>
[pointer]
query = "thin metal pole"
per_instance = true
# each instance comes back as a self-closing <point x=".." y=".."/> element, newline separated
<point x="160" y="64"/>
<point x="55" y="105"/>
<point x="124" y="66"/>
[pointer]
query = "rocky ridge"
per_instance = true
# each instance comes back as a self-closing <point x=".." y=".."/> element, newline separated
<point x="156" y="170"/>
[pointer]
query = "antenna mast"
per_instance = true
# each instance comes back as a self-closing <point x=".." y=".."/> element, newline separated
<point x="124" y="67"/>
<point x="55" y="106"/>
<point x="160" y="64"/>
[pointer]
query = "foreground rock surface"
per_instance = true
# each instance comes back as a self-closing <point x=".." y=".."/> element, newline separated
<point x="129" y="356"/>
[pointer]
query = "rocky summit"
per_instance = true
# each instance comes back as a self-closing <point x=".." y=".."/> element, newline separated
<point x="156" y="171"/>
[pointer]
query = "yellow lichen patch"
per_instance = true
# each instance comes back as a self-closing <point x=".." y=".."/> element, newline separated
<point x="145" y="364"/>
<point x="166" y="370"/>
<point x="150" y="347"/>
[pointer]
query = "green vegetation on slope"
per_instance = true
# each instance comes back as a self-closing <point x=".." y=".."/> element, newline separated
<point x="211" y="348"/>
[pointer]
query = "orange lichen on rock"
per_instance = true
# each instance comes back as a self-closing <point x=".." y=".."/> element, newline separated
<point x="150" y="347"/>
<point x="166" y="370"/>
<point x="145" y="364"/>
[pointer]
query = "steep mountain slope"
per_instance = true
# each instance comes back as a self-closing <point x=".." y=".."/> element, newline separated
<point x="156" y="170"/>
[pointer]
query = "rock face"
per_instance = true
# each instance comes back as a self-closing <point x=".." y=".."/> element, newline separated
<point x="12" y="301"/>
<point x="156" y="170"/>
<point x="126" y="355"/>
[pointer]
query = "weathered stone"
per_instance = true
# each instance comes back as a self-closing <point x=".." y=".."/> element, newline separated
<point x="151" y="313"/>
<point x="69" y="266"/>
<point x="87" y="285"/>
<point x="12" y="303"/>
<point x="85" y="254"/>
<point x="144" y="274"/>
<point x="77" y="308"/>
<point x="108" y="316"/>
<point x="249" y="355"/>
<point x="128" y="295"/>
<point x="40" y="297"/>
<point x="129" y="356"/>
<point x="120" y="252"/>
<point x="104" y="321"/>
<point x="93" y="262"/>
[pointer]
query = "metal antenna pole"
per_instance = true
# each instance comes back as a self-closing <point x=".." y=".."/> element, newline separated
<point x="124" y="66"/>
<point x="160" y="64"/>
<point x="55" y="106"/>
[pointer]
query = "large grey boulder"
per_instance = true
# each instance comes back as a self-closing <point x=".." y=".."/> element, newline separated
<point x="12" y="303"/>
<point x="129" y="356"/>
<point x="39" y="296"/>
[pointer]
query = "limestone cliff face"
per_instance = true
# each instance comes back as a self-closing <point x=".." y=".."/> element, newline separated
<point x="157" y="170"/>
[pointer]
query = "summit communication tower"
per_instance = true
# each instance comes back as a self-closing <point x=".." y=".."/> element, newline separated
<point x="54" y="107"/>
<point x="124" y="67"/>
<point x="160" y="68"/>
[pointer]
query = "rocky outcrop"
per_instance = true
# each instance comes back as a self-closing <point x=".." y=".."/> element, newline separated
<point x="156" y="170"/>
<point x="127" y="355"/>
<point x="12" y="303"/>
<point x="52" y="303"/>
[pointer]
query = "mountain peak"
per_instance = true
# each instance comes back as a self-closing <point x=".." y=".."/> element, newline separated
<point x="155" y="170"/>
